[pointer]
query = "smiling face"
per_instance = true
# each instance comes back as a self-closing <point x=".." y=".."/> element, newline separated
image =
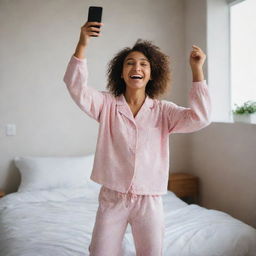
<point x="136" y="70"/>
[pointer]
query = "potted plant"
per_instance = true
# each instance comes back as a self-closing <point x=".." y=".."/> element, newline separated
<point x="245" y="113"/>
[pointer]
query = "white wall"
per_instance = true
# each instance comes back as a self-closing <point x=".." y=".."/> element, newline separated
<point x="37" y="41"/>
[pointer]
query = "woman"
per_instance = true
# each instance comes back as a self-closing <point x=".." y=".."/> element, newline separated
<point x="132" y="154"/>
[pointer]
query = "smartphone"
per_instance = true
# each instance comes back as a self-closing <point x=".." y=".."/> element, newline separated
<point x="95" y="14"/>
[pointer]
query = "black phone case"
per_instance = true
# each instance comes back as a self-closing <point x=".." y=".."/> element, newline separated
<point x="95" y="14"/>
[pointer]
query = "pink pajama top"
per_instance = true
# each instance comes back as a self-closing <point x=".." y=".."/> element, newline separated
<point x="132" y="153"/>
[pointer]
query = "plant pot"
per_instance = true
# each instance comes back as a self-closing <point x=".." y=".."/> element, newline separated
<point x="245" y="118"/>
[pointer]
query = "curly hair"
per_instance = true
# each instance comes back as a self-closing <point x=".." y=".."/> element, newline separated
<point x="159" y="63"/>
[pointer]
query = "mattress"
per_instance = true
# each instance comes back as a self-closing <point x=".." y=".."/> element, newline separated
<point x="60" y="222"/>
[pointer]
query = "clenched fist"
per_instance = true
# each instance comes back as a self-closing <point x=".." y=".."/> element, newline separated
<point x="197" y="58"/>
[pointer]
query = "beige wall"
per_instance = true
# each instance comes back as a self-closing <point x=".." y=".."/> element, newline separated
<point x="223" y="156"/>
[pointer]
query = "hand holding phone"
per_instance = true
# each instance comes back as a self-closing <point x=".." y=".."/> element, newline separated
<point x="90" y="29"/>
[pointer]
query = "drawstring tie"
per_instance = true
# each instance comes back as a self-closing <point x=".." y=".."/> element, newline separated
<point x="130" y="196"/>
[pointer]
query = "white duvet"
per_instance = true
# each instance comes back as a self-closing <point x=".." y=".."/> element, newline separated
<point x="59" y="222"/>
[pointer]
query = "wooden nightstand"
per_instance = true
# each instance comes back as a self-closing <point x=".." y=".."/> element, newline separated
<point x="2" y="194"/>
<point x="185" y="186"/>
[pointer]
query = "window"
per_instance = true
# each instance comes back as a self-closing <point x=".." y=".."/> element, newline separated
<point x="243" y="51"/>
<point x="231" y="80"/>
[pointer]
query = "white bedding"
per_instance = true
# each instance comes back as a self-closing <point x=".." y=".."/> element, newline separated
<point x="60" y="222"/>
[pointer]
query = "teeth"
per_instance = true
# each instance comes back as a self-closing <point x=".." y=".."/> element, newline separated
<point x="136" y="77"/>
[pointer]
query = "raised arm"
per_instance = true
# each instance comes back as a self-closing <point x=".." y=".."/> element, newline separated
<point x="87" y="98"/>
<point x="198" y="114"/>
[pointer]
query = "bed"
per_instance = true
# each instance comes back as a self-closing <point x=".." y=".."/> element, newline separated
<point x="54" y="210"/>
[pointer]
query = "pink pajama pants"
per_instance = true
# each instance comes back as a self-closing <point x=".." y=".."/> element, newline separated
<point x="143" y="212"/>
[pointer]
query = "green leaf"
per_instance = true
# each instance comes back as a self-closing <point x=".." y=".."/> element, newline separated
<point x="247" y="107"/>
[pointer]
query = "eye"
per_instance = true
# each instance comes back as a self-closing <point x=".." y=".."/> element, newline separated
<point x="144" y="64"/>
<point x="129" y="63"/>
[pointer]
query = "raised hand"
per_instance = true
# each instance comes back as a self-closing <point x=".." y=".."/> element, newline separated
<point x="88" y="30"/>
<point x="197" y="58"/>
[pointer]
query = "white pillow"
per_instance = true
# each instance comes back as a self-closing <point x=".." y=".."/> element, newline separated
<point x="40" y="173"/>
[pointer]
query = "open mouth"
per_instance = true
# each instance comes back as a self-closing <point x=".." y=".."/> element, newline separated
<point x="136" y="77"/>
